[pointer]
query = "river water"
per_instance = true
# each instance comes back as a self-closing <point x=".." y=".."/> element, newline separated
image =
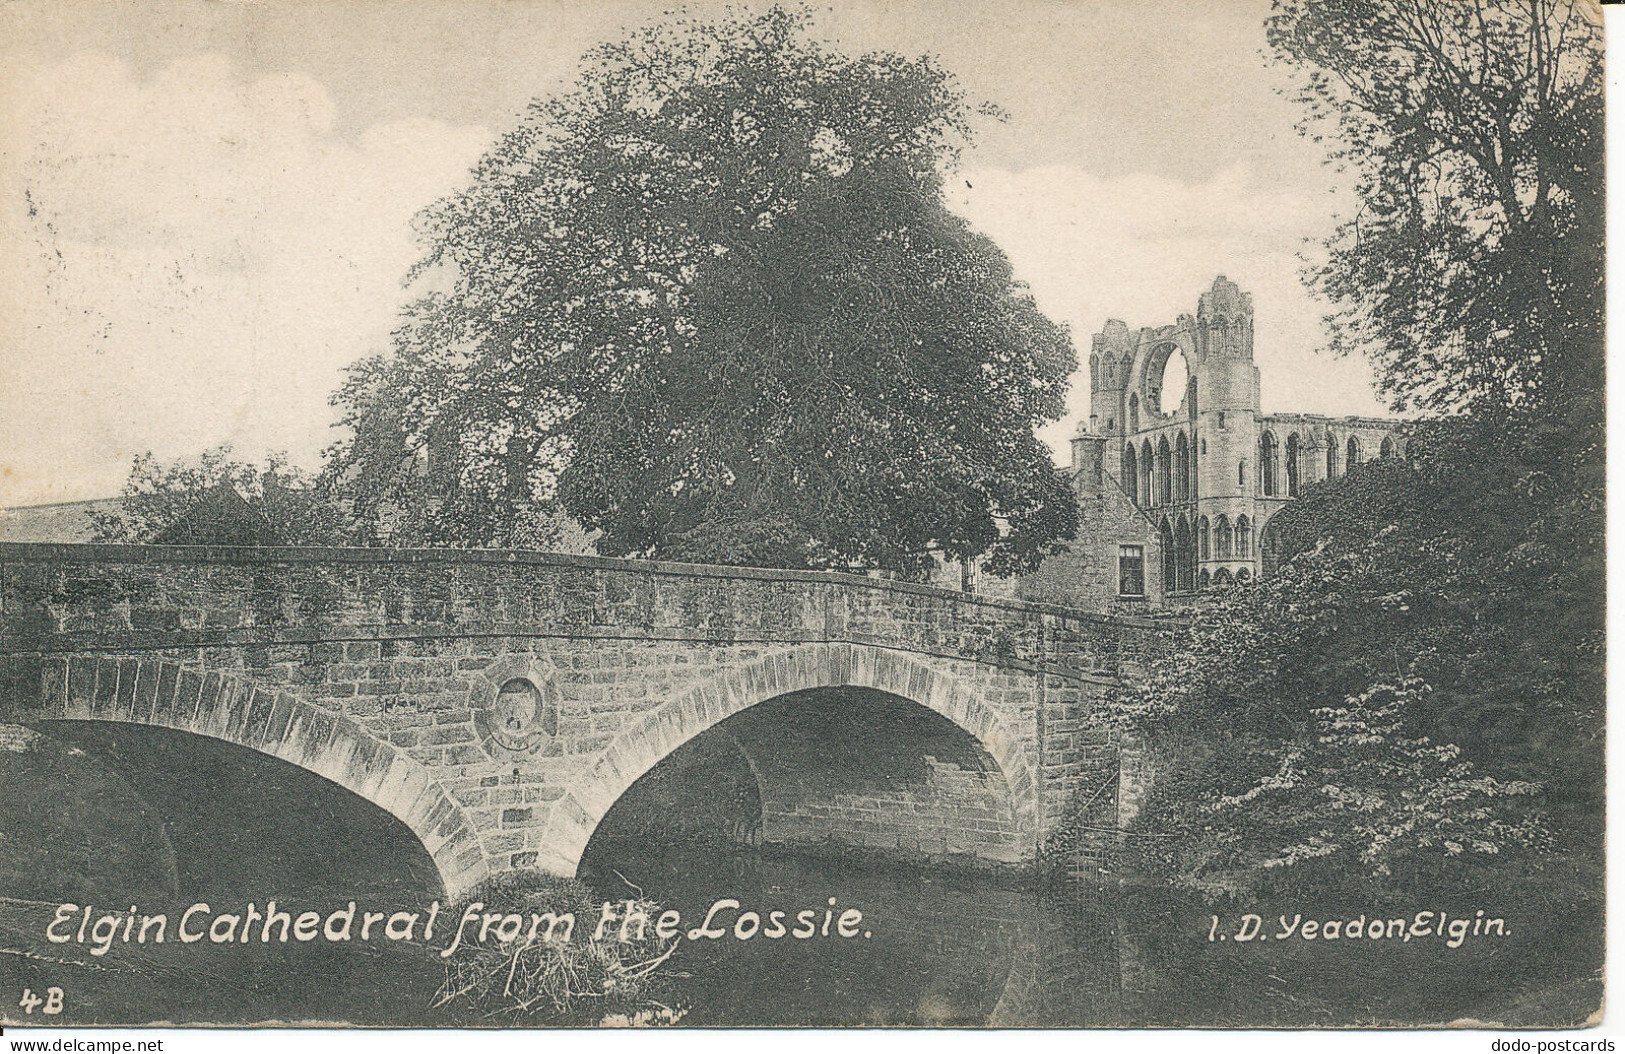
<point x="932" y="948"/>
<point x="968" y="950"/>
<point x="121" y="820"/>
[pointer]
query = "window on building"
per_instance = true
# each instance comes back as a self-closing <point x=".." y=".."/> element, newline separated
<point x="1185" y="555"/>
<point x="1182" y="468"/>
<point x="1131" y="570"/>
<point x="1294" y="464"/>
<point x="1165" y="473"/>
<point x="1170" y="558"/>
<point x="1221" y="418"/>
<point x="1268" y="454"/>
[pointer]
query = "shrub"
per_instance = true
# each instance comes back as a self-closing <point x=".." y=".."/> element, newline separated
<point x="574" y="981"/>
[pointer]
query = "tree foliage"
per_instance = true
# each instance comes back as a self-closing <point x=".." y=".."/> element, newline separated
<point x="1422" y="677"/>
<point x="1472" y="267"/>
<point x="270" y="504"/>
<point x="1357" y="794"/>
<point x="712" y="302"/>
<point x="1453" y="603"/>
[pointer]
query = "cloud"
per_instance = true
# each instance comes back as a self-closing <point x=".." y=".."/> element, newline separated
<point x="1142" y="248"/>
<point x="192" y="257"/>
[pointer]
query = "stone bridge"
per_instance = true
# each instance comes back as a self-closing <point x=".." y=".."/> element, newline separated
<point x="499" y="703"/>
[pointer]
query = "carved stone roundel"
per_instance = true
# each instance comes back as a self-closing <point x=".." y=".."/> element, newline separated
<point x="517" y="712"/>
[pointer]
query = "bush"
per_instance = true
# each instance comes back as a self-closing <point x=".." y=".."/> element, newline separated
<point x="575" y="981"/>
<point x="1357" y="799"/>
<point x="1415" y="691"/>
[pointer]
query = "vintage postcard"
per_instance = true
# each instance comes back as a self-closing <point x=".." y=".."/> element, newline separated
<point x="1016" y="514"/>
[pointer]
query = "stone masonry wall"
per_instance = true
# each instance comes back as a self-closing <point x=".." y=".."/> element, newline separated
<point x="953" y="815"/>
<point x="1085" y="574"/>
<point x="846" y="768"/>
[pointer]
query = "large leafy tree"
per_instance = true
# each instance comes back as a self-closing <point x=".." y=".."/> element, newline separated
<point x="712" y="303"/>
<point x="1472" y="267"/>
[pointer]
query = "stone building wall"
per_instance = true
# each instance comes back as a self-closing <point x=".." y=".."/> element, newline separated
<point x="1089" y="573"/>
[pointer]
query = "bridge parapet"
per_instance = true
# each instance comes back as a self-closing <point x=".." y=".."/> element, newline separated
<point x="69" y="597"/>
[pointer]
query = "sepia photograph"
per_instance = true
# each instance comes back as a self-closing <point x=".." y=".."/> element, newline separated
<point x="1014" y="514"/>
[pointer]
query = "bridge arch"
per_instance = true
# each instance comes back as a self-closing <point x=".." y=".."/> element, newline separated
<point x="167" y="694"/>
<point x="577" y="815"/>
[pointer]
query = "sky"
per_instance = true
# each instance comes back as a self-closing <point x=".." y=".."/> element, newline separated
<point x="206" y="205"/>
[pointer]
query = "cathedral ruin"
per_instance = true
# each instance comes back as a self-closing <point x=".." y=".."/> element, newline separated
<point x="1176" y="489"/>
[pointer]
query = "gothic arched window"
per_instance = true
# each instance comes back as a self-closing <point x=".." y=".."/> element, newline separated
<point x="1294" y="464"/>
<point x="1165" y="472"/>
<point x="1170" y="560"/>
<point x="1188" y="576"/>
<point x="1182" y="468"/>
<point x="1268" y="454"/>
